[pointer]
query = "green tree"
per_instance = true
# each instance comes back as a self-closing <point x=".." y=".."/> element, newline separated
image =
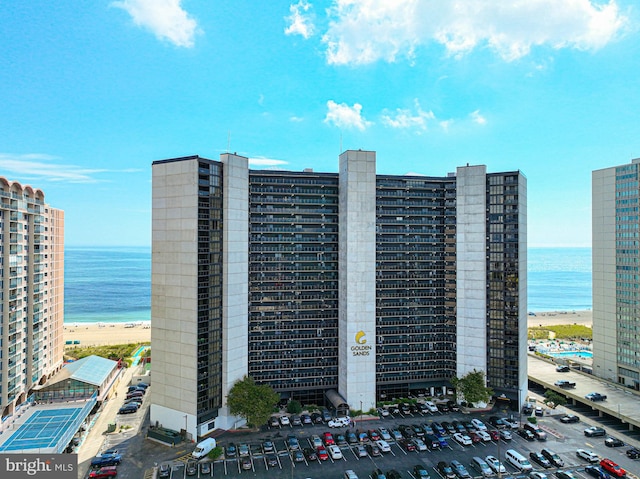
<point x="472" y="387"/>
<point x="252" y="401"/>
<point x="294" y="407"/>
<point x="555" y="398"/>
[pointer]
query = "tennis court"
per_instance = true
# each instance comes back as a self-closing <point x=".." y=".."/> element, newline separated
<point x="44" y="429"/>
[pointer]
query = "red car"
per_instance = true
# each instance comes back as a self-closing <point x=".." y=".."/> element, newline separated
<point x="322" y="453"/>
<point x="327" y="438"/>
<point x="373" y="435"/>
<point x="407" y="445"/>
<point x="107" y="471"/>
<point x="612" y="468"/>
<point x="495" y="435"/>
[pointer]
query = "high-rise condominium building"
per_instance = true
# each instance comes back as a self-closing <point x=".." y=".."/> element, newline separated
<point x="333" y="288"/>
<point x="616" y="280"/>
<point x="32" y="292"/>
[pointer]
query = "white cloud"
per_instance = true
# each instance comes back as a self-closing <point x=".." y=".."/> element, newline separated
<point x="301" y="20"/>
<point x="405" y="118"/>
<point x="476" y="117"/>
<point x="261" y="161"/>
<point x="345" y="116"/>
<point x="296" y="119"/>
<point x="41" y="167"/>
<point x="365" y="31"/>
<point x="165" y="18"/>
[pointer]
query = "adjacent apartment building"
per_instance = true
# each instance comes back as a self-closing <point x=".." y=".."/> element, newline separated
<point x="616" y="279"/>
<point x="31" y="292"/>
<point x="351" y="286"/>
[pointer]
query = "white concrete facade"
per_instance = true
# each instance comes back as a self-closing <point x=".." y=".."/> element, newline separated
<point x="357" y="276"/>
<point x="603" y="226"/>
<point x="523" y="380"/>
<point x="174" y="302"/>
<point x="471" y="274"/>
<point x="235" y="288"/>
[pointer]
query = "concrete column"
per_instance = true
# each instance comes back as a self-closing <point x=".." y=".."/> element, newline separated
<point x="357" y="294"/>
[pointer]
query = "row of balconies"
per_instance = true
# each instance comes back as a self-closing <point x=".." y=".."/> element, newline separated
<point x="441" y="372"/>
<point x="321" y="346"/>
<point x="258" y="307"/>
<point x="293" y="191"/>
<point x="291" y="219"/>
<point x="292" y="248"/>
<point x="326" y="230"/>
<point x="293" y="277"/>
<point x="278" y="179"/>
<point x="281" y="210"/>
<point x="256" y="266"/>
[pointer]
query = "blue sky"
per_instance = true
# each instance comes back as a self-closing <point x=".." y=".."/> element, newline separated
<point x="92" y="92"/>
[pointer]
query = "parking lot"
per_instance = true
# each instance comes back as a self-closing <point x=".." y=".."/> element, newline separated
<point x="285" y="455"/>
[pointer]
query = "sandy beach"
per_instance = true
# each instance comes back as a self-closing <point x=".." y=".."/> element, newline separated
<point x="549" y="318"/>
<point x="94" y="334"/>
<point x="98" y="334"/>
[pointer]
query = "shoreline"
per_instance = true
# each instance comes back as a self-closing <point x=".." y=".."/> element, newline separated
<point x="102" y="333"/>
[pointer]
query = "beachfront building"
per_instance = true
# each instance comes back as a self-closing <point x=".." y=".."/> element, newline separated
<point x="616" y="281"/>
<point x="333" y="288"/>
<point x="31" y="292"/>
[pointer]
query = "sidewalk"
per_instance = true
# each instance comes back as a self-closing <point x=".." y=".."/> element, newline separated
<point x="107" y="414"/>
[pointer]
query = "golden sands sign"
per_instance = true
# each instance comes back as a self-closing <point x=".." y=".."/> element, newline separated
<point x="360" y="348"/>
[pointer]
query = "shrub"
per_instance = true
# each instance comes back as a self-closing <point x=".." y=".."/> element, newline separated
<point x="294" y="407"/>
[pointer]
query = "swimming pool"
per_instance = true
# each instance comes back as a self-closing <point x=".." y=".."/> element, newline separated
<point x="575" y="354"/>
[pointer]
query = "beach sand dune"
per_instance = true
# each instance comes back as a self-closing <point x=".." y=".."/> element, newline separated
<point x="98" y="334"/>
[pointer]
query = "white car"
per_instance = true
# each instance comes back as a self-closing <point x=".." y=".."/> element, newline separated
<point x="349" y="474"/>
<point x="384" y="434"/>
<point x="587" y="455"/>
<point x="419" y="443"/>
<point x="383" y="445"/>
<point x="430" y="406"/>
<point x="284" y="420"/>
<point x="537" y="475"/>
<point x="334" y="452"/>
<point x="478" y="424"/>
<point x="316" y="441"/>
<point x="511" y="423"/>
<point x="462" y="439"/>
<point x="494" y="464"/>
<point x="383" y="411"/>
<point x="334" y="423"/>
<point x="484" y="435"/>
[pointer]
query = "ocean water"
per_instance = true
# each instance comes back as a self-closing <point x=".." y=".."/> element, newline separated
<point x="114" y="284"/>
<point x="559" y="279"/>
<point x="107" y="284"/>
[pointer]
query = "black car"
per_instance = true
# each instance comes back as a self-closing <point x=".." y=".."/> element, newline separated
<point x="306" y="419"/>
<point x="528" y="435"/>
<point x="406" y="431"/>
<point x="565" y="475"/>
<point x="633" y="453"/>
<point x="597" y="472"/>
<point x="393" y="474"/>
<point x="442" y="407"/>
<point x="446" y="470"/>
<point x="316" y="418"/>
<point x="106" y="461"/>
<point x="128" y="409"/>
<point x="562" y="369"/>
<point x="569" y="418"/>
<point x="272" y="460"/>
<point x="538" y="458"/>
<point x="373" y="450"/>
<point x="378" y="474"/>
<point x="613" y="442"/>
<point x="310" y="454"/>
<point x="497" y="422"/>
<point x="453" y="406"/>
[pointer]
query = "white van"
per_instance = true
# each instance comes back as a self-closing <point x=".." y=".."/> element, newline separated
<point x="518" y="461"/>
<point x="203" y="448"/>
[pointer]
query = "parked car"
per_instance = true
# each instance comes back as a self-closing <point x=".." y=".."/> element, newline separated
<point x="460" y="470"/>
<point x="443" y="407"/>
<point x="407" y="445"/>
<point x="453" y="406"/>
<point x="597" y="472"/>
<point x="613" y="442"/>
<point x="383" y="445"/>
<point x="349" y="474"/>
<point x="420" y="472"/>
<point x="495" y="464"/>
<point x="462" y="439"/>
<point x="505" y="435"/>
<point x="484" y="436"/>
<point x="373" y="450"/>
<point x="128" y="409"/>
<point x="306" y="419"/>
<point x="297" y="456"/>
<point x="192" y="468"/>
<point x="612" y="468"/>
<point x="243" y="450"/>
<point x="378" y="474"/>
<point x="360" y="451"/>
<point x="431" y="407"/>
<point x="230" y="450"/>
<point x="553" y="457"/>
<point x="296" y="421"/>
<point x="384" y="434"/>
<point x="587" y="455"/>
<point x="327" y="439"/>
<point x="539" y="459"/>
<point x="565" y="475"/>
<point x="104" y="472"/>
<point x="562" y="369"/>
<point x="164" y="470"/>
<point x="322" y="453"/>
<point x="569" y="418"/>
<point x="537" y="475"/>
<point x="272" y="460"/>
<point x="497" y="422"/>
<point x="246" y="464"/>
<point x="565" y="384"/>
<point x="393" y="474"/>
<point x="335" y="452"/>
<point x="495" y="434"/>
<point x="383" y="411"/>
<point x="292" y="442"/>
<point x="284" y="421"/>
<point x="103" y="461"/>
<point x="445" y="470"/>
<point x="310" y="454"/>
<point x="274" y="421"/>
<point x="528" y="435"/>
<point x="594" y="431"/>
<point x="478" y="424"/>
<point x="481" y="466"/>
<point x="419" y="443"/>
